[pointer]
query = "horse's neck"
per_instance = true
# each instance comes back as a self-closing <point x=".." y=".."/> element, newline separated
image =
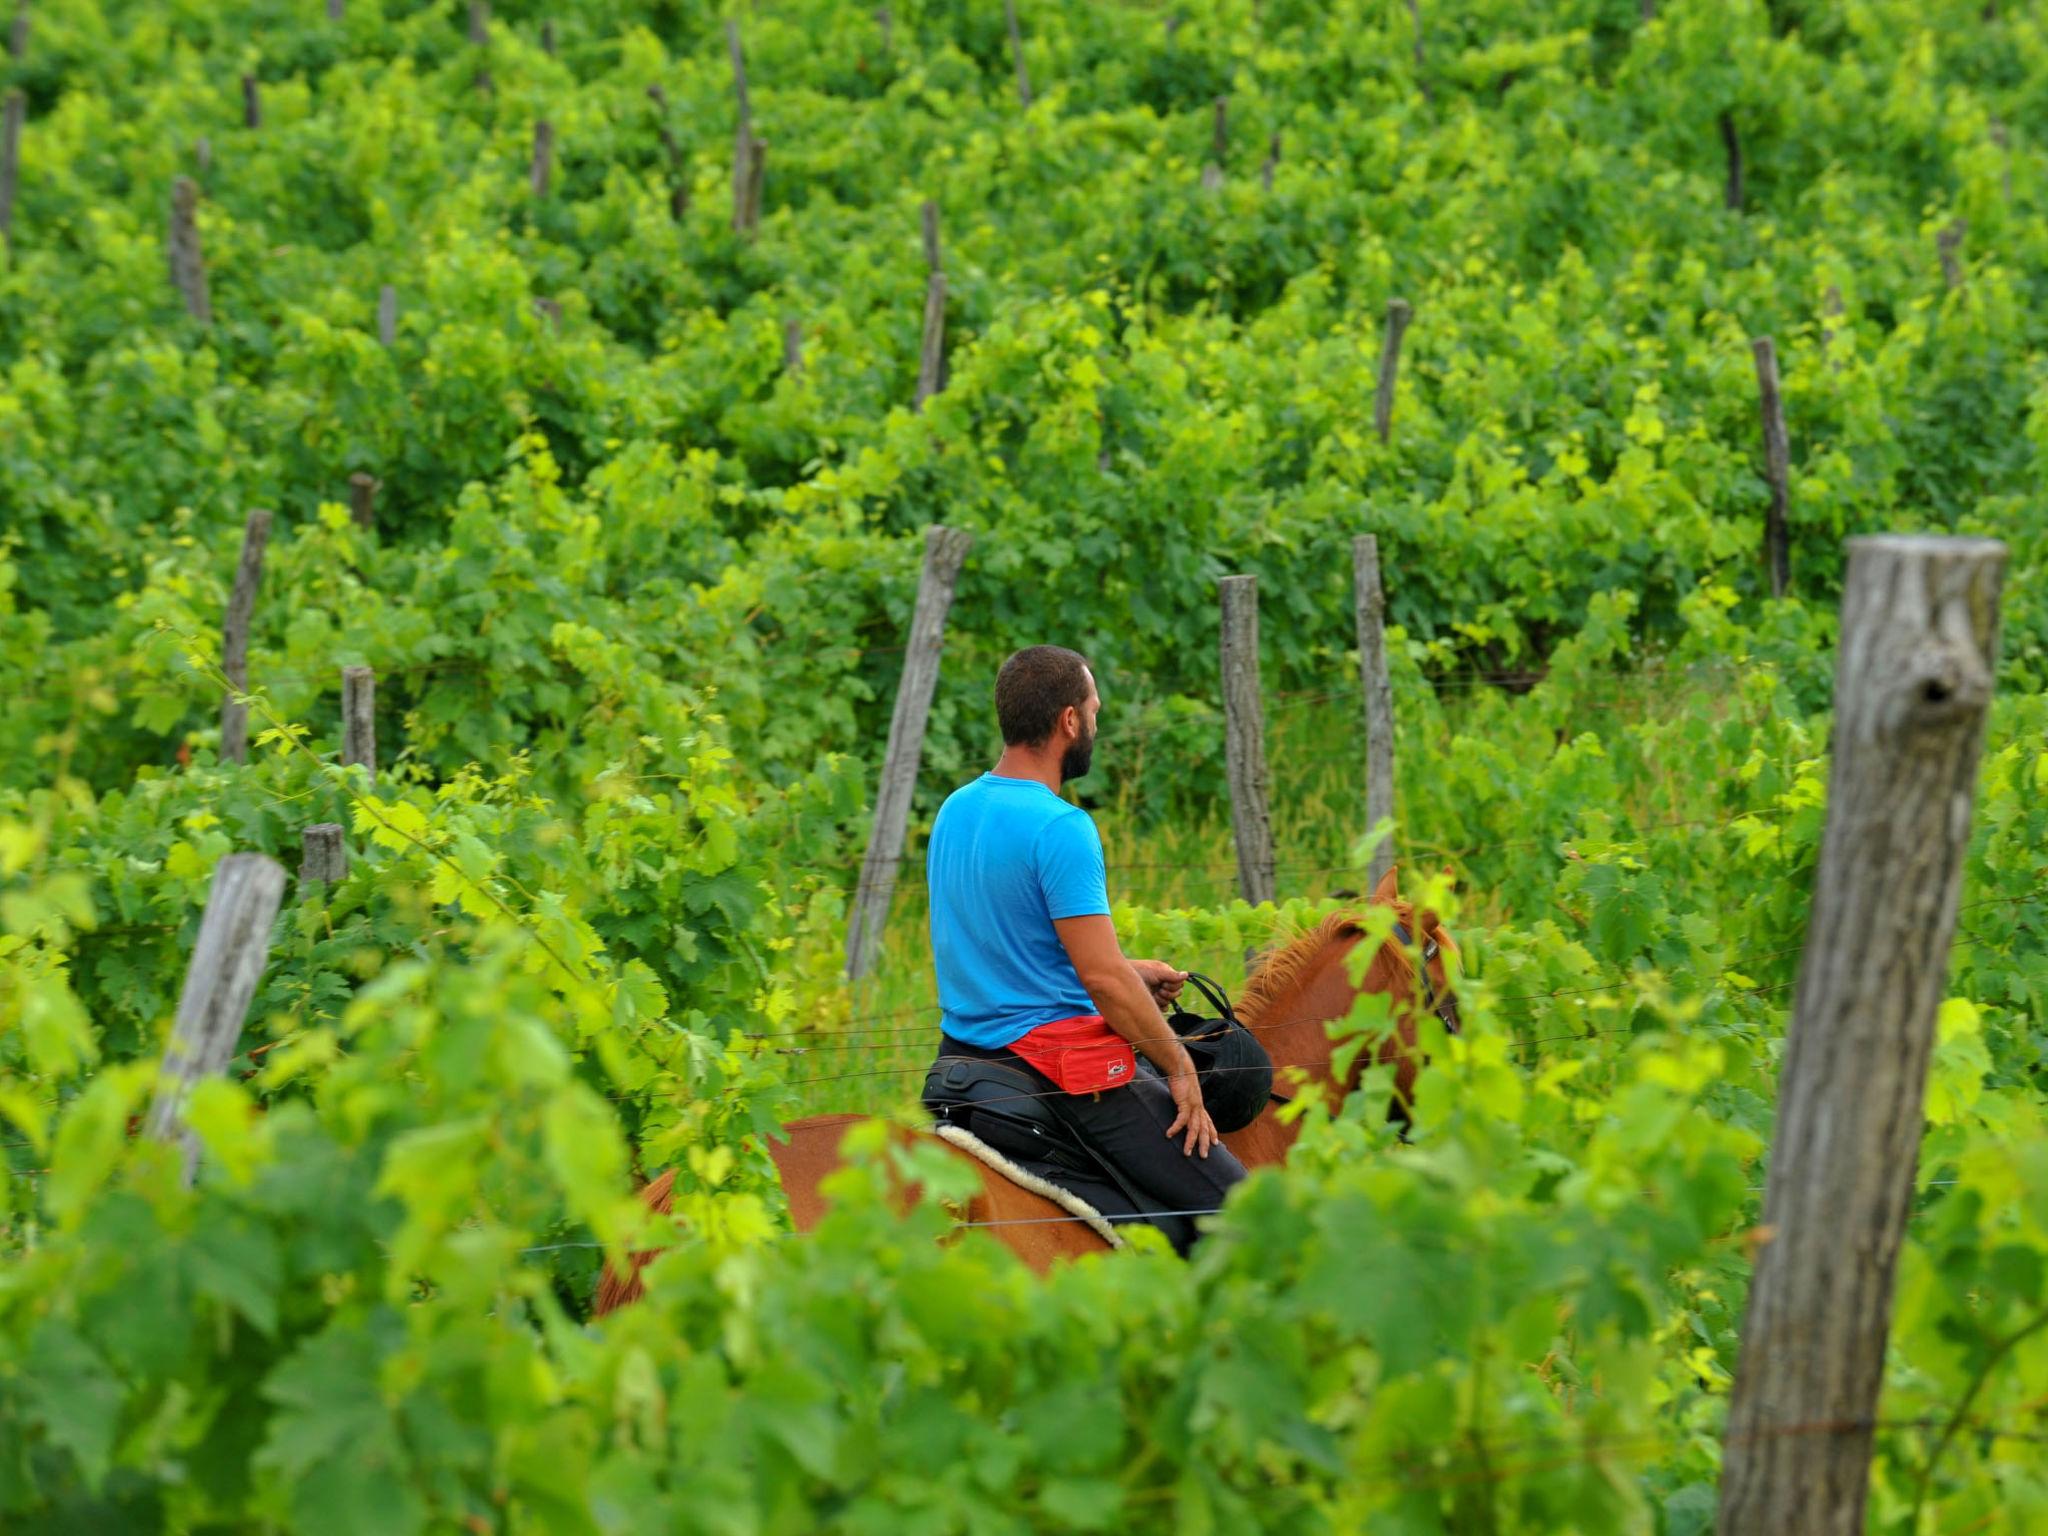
<point x="1291" y="1029"/>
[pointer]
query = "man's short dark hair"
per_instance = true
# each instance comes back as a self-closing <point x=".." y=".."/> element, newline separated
<point x="1033" y="687"/>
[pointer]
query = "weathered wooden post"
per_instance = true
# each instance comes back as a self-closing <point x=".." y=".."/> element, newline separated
<point x="234" y="637"/>
<point x="1913" y="681"/>
<point x="359" y="718"/>
<point x="931" y="354"/>
<point x="1777" y="467"/>
<point x="188" y="263"/>
<point x="336" y="9"/>
<point x="944" y="551"/>
<point x="748" y="153"/>
<point x="887" y="23"/>
<point x="1219" y="147"/>
<point x="1415" y="19"/>
<point x="387" y="314"/>
<point x="543" y="157"/>
<point x="928" y="222"/>
<point x="1369" y="603"/>
<point x="1399" y="313"/>
<point x="11" y="116"/>
<point x="362" y="500"/>
<point x="1244" y="725"/>
<point x="1272" y="164"/>
<point x="227" y="962"/>
<point x="1017" y="52"/>
<point x="792" y="346"/>
<point x="1731" y="142"/>
<point x="1947" y="242"/>
<point x="17" y="35"/>
<point x="202" y="154"/>
<point x="679" y="181"/>
<point x="480" y="23"/>
<point x="547" y="38"/>
<point x="324" y="857"/>
<point x="252" y="102"/>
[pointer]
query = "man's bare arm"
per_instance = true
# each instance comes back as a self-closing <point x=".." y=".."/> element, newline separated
<point x="1126" y="1005"/>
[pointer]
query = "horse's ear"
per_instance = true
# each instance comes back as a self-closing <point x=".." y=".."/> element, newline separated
<point x="1388" y="890"/>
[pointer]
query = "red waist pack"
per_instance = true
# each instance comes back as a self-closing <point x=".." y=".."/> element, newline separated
<point x="1082" y="1054"/>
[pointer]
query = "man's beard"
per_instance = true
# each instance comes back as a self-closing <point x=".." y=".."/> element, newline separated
<point x="1079" y="754"/>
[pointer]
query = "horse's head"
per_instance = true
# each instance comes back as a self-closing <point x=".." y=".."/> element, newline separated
<point x="1417" y="934"/>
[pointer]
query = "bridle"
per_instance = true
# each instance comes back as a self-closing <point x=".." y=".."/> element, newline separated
<point x="1445" y="1007"/>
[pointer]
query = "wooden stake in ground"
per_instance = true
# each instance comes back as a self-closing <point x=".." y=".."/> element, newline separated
<point x="188" y="263"/>
<point x="928" y="216"/>
<point x="1370" y="606"/>
<point x="324" y="855"/>
<point x="1947" y="243"/>
<point x="336" y="9"/>
<point x="362" y="500"/>
<point x="480" y="23"/>
<point x="1421" y="79"/>
<point x="1272" y="164"/>
<point x="1399" y="313"/>
<point x="1219" y="146"/>
<point x="234" y="637"/>
<point x="931" y="356"/>
<point x="252" y="102"/>
<point x="944" y="551"/>
<point x="792" y="346"/>
<point x="748" y="152"/>
<point x="359" y="718"/>
<point x="1777" y="467"/>
<point x="547" y="38"/>
<point x="17" y="35"/>
<point x="1244" y="738"/>
<point x="1913" y="679"/>
<point x="227" y="962"/>
<point x="1017" y="52"/>
<point x="1732" y="143"/>
<point x="387" y="314"/>
<point x="202" y="154"/>
<point x="11" y="116"/>
<point x="543" y="157"/>
<point x="1830" y="312"/>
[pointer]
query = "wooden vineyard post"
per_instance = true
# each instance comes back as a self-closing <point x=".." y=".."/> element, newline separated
<point x="188" y="263"/>
<point x="362" y="500"/>
<point x="324" y="857"/>
<point x="17" y="35"/>
<point x="11" y="116"/>
<point x="359" y="718"/>
<point x="1731" y="141"/>
<point x="1370" y="604"/>
<point x="1913" y="681"/>
<point x="480" y="23"/>
<point x="227" y="962"/>
<point x="1017" y="52"/>
<point x="928" y="223"/>
<point x="887" y="23"/>
<point x="792" y="346"/>
<point x="547" y="38"/>
<point x="1946" y="244"/>
<point x="234" y="637"/>
<point x="944" y="551"/>
<point x="336" y="9"/>
<point x="252" y="102"/>
<point x="543" y="157"/>
<point x="1777" y="466"/>
<point x="1272" y="164"/>
<point x="1244" y="723"/>
<point x="1212" y="173"/>
<point x="1415" y="18"/>
<point x="679" y="181"/>
<point x="749" y="154"/>
<point x="387" y="314"/>
<point x="1399" y="313"/>
<point x="931" y="353"/>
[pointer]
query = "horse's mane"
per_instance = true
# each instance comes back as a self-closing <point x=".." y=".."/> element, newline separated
<point x="1288" y="965"/>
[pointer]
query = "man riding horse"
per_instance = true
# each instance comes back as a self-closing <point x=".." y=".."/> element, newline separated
<point x="1045" y="1020"/>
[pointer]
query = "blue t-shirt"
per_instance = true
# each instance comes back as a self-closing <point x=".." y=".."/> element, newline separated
<point x="1007" y="857"/>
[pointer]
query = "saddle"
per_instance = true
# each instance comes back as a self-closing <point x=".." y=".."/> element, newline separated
<point x="1001" y="1100"/>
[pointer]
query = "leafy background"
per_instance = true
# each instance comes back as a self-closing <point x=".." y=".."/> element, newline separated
<point x="635" y="597"/>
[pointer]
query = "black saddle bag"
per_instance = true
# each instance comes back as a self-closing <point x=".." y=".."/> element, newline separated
<point x="1234" y="1068"/>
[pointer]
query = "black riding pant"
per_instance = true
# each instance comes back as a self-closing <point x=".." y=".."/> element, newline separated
<point x="1126" y="1127"/>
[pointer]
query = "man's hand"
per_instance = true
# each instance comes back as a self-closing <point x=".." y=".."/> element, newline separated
<point x="1189" y="1112"/>
<point x="1161" y="980"/>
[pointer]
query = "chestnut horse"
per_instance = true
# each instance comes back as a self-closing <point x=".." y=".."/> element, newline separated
<point x="1293" y="993"/>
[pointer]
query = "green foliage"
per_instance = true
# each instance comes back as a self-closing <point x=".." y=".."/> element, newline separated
<point x="635" y="596"/>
